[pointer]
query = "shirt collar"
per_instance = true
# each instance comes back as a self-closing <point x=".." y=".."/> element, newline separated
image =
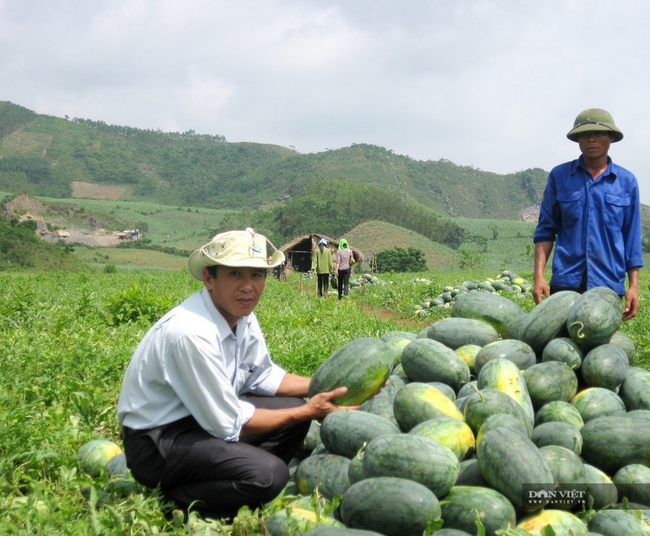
<point x="579" y="163"/>
<point x="222" y="326"/>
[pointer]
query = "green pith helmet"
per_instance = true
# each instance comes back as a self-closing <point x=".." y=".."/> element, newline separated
<point x="594" y="119"/>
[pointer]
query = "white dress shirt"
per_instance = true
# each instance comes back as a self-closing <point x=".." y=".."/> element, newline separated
<point x="191" y="363"/>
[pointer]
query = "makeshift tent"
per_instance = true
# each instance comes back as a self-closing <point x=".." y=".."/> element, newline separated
<point x="299" y="251"/>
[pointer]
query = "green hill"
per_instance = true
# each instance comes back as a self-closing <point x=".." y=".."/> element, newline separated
<point x="48" y="156"/>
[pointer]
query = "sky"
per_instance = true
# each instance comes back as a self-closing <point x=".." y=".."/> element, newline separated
<point x="493" y="84"/>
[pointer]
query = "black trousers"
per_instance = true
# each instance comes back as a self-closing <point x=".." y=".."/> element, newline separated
<point x="196" y="470"/>
<point x="323" y="284"/>
<point x="344" y="282"/>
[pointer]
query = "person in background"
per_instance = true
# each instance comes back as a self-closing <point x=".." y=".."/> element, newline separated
<point x="206" y="414"/>
<point x="591" y="215"/>
<point x="343" y="267"/>
<point x="323" y="265"/>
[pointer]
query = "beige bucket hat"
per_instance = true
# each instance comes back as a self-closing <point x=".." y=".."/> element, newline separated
<point x="243" y="249"/>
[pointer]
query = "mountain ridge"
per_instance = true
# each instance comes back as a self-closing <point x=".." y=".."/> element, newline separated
<point x="46" y="155"/>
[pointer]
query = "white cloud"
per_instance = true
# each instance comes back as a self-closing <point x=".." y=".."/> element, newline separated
<point x="495" y="85"/>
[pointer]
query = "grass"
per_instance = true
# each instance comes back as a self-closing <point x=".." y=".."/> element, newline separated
<point x="67" y="339"/>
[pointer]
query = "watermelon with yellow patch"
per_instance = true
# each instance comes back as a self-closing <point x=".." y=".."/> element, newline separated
<point x="418" y="402"/>
<point x="454" y="434"/>
<point x="560" y="521"/>
<point x="362" y="365"/>
<point x="504" y="375"/>
<point x="300" y="515"/>
<point x="94" y="455"/>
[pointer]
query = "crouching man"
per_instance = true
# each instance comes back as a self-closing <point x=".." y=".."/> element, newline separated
<point x="206" y="414"/>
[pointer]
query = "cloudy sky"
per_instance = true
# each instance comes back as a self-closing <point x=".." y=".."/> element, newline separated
<point x="494" y="84"/>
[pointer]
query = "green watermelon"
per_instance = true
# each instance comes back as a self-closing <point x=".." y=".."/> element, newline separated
<point x="601" y="491"/>
<point x="506" y="472"/>
<point x="559" y="411"/>
<point x="463" y="506"/>
<point x="327" y="472"/>
<point x="362" y="365"/>
<point x="605" y="366"/>
<point x="495" y="309"/>
<point x="633" y="483"/>
<point x="611" y="443"/>
<point x="389" y="505"/>
<point x="427" y="360"/>
<point x="617" y="523"/>
<point x="563" y="349"/>
<point x="520" y="353"/>
<point x="594" y="402"/>
<point x="489" y="401"/>
<point x="558" y="433"/>
<point x="344" y="432"/>
<point x="550" y="381"/>
<point x="500" y="420"/>
<point x="546" y="320"/>
<point x="635" y="389"/>
<point x="299" y="515"/>
<point x="414" y="457"/>
<point x="456" y="332"/>
<point x="568" y="472"/>
<point x="594" y="317"/>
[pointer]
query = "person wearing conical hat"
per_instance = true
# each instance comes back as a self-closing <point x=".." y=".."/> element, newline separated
<point x="206" y="415"/>
<point x="590" y="218"/>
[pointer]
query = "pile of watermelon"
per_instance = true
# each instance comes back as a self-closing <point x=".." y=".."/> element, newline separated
<point x="506" y="283"/>
<point x="365" y="279"/>
<point x="490" y="421"/>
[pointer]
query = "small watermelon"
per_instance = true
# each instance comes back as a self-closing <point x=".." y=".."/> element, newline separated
<point x="94" y="455"/>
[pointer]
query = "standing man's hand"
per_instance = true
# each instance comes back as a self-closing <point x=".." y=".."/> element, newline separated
<point x="632" y="294"/>
<point x="631" y="303"/>
<point x="541" y="290"/>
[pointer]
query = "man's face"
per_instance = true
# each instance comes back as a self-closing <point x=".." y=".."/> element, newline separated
<point x="235" y="292"/>
<point x="594" y="145"/>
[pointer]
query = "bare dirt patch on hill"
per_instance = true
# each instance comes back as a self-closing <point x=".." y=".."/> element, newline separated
<point x="87" y="190"/>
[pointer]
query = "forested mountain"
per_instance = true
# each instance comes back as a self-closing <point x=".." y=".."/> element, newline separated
<point x="45" y="155"/>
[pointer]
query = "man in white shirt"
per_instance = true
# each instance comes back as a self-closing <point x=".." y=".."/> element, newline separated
<point x="206" y="414"/>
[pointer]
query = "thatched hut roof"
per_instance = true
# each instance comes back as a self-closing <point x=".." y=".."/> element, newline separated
<point x="299" y="250"/>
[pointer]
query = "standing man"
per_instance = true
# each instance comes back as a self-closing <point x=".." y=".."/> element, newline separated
<point x="206" y="414"/>
<point x="323" y="264"/>
<point x="591" y="213"/>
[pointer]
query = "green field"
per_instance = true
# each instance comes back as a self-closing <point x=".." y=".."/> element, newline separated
<point x="67" y="339"/>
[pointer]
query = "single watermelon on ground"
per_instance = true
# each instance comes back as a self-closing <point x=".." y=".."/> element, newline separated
<point x="94" y="455"/>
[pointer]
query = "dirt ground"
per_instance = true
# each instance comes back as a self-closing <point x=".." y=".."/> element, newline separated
<point x="97" y="237"/>
<point x="25" y="207"/>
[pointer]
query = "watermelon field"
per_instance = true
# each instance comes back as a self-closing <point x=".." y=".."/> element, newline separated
<point x="67" y="339"/>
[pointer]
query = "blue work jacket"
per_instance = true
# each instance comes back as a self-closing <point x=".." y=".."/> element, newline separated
<point x="595" y="224"/>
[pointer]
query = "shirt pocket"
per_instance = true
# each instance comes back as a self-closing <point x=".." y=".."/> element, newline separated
<point x="244" y="372"/>
<point x="615" y="209"/>
<point x="570" y="206"/>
